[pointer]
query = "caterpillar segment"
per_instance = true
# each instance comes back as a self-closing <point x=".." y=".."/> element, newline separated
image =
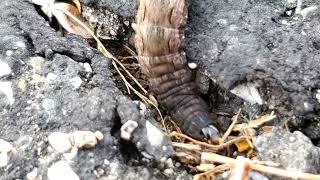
<point x="159" y="41"/>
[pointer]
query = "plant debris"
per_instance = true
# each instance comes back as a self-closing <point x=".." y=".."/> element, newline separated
<point x="52" y="8"/>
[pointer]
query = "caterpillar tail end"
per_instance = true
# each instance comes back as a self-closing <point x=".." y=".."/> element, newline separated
<point x="201" y="127"/>
<point x="211" y="132"/>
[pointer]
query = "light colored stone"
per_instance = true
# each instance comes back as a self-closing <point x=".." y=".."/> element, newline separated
<point x="4" y="159"/>
<point x="36" y="63"/>
<point x="5" y="146"/>
<point x="168" y="172"/>
<point x="87" y="67"/>
<point x="294" y="151"/>
<point x="22" y="84"/>
<point x="83" y="139"/>
<point x="60" y="142"/>
<point x="9" y="53"/>
<point x="61" y="171"/>
<point x="248" y="92"/>
<point x="32" y="175"/>
<point x="318" y="96"/>
<point x="155" y="136"/>
<point x="76" y="82"/>
<point x="5" y="88"/>
<point x="169" y="163"/>
<point x="4" y="69"/>
<point x="192" y="65"/>
<point x="98" y="135"/>
<point x="51" y="77"/>
<point x="127" y="129"/>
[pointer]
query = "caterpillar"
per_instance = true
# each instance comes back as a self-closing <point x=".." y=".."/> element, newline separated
<point x="159" y="41"/>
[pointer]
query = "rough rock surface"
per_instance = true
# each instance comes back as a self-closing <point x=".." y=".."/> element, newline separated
<point x="257" y="42"/>
<point x="294" y="151"/>
<point x="125" y="8"/>
<point x="51" y="84"/>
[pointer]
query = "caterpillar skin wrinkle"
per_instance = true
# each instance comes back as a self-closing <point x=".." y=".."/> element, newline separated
<point x="159" y="41"/>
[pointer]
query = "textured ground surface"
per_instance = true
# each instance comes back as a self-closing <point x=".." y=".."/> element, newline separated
<point x="50" y="83"/>
<point x="256" y="42"/>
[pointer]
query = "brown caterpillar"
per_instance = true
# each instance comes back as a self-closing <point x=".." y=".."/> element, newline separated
<point x="159" y="41"/>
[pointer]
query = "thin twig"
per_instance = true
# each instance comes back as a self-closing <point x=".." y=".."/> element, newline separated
<point x="191" y="147"/>
<point x="227" y="133"/>
<point x="214" y="148"/>
<point x="218" y="169"/>
<point x="215" y="158"/>
<point x="255" y="123"/>
<point x="130" y="51"/>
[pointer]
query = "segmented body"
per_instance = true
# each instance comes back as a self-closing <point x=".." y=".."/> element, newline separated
<point x="159" y="42"/>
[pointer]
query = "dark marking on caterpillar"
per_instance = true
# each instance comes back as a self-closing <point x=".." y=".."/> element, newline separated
<point x="159" y="41"/>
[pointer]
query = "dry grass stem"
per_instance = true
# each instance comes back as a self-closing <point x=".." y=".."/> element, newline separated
<point x="229" y="130"/>
<point x="215" y="158"/>
<point x="210" y="147"/>
<point x="255" y="123"/>
<point x="217" y="169"/>
<point x="191" y="147"/>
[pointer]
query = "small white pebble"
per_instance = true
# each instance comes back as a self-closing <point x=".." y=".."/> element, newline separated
<point x="292" y="139"/>
<point x="61" y="171"/>
<point x="168" y="172"/>
<point x="76" y="82"/>
<point x="178" y="164"/>
<point x="36" y="62"/>
<point x="51" y="77"/>
<point x="4" y="69"/>
<point x="169" y="163"/>
<point x="127" y="129"/>
<point x="222" y="22"/>
<point x="284" y="22"/>
<point x="3" y="159"/>
<point x="192" y="65"/>
<point x="9" y="53"/>
<point x="155" y="136"/>
<point x="60" y="142"/>
<point x="163" y="160"/>
<point x="164" y="148"/>
<point x="32" y="175"/>
<point x="98" y="135"/>
<point x="225" y="174"/>
<point x="21" y="44"/>
<point x="106" y="162"/>
<point x="318" y="97"/>
<point x="5" y="147"/>
<point x="87" y="67"/>
<point x="5" y="87"/>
